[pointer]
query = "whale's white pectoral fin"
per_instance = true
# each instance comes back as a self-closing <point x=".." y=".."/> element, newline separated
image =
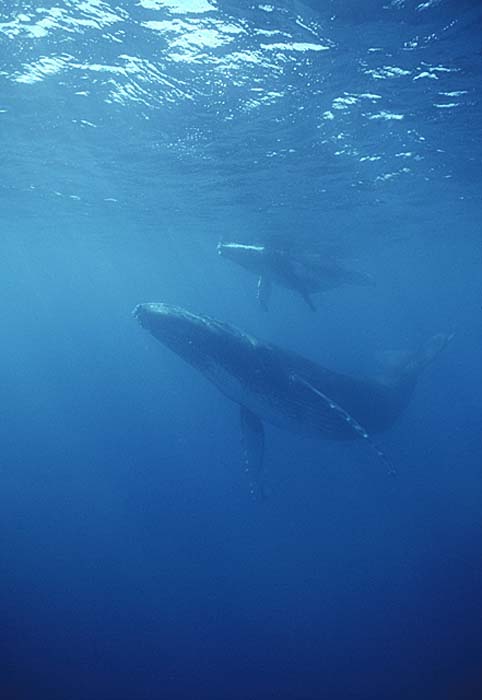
<point x="253" y="451"/>
<point x="343" y="415"/>
<point x="264" y="291"/>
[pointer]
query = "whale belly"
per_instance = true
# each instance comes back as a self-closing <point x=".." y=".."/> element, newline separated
<point x="269" y="403"/>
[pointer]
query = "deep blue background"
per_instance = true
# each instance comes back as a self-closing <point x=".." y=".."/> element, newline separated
<point x="133" y="564"/>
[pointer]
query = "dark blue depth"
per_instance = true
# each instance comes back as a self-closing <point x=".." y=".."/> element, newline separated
<point x="134" y="138"/>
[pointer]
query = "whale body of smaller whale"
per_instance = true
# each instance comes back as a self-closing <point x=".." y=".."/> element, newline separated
<point x="305" y="272"/>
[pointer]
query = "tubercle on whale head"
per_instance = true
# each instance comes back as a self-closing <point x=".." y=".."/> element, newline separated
<point x="165" y="320"/>
<point x="146" y="312"/>
<point x="191" y="336"/>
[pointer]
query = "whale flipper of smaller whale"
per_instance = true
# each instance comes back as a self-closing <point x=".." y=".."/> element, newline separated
<point x="306" y="298"/>
<point x="264" y="291"/>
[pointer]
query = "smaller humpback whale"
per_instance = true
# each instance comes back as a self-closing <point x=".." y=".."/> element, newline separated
<point x="304" y="272"/>
<point x="285" y="389"/>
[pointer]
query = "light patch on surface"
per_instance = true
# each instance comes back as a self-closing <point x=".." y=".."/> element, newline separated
<point x="241" y="57"/>
<point x="269" y="97"/>
<point x="344" y="102"/>
<point x="103" y="68"/>
<point x="94" y="14"/>
<point x="448" y="105"/>
<point x="18" y="26"/>
<point x="295" y="46"/>
<point x="189" y="37"/>
<point x="387" y="116"/>
<point x="444" y="69"/>
<point x="426" y="74"/>
<point x="387" y="72"/>
<point x="390" y="176"/>
<point x="454" y="93"/>
<point x="181" y="6"/>
<point x="370" y="96"/>
<point x="44" y="67"/>
<point x="270" y="32"/>
<point x="427" y="5"/>
<point x="101" y="11"/>
<point x="202" y="38"/>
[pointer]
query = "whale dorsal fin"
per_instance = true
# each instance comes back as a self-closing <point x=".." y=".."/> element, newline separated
<point x="343" y="415"/>
<point x="306" y="298"/>
<point x="253" y="448"/>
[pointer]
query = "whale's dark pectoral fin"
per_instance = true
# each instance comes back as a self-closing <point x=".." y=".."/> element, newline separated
<point x="354" y="425"/>
<point x="253" y="451"/>
<point x="264" y="291"/>
<point x="307" y="299"/>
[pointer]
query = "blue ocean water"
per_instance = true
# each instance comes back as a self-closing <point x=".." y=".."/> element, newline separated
<point x="135" y="135"/>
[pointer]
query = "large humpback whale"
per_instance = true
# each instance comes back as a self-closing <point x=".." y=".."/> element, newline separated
<point x="283" y="388"/>
<point x="306" y="272"/>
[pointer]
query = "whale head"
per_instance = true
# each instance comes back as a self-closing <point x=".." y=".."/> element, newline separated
<point x="179" y="330"/>
<point x="199" y="340"/>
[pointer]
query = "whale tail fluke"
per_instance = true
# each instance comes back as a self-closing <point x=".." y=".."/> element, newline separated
<point x="429" y="351"/>
<point x="400" y="365"/>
